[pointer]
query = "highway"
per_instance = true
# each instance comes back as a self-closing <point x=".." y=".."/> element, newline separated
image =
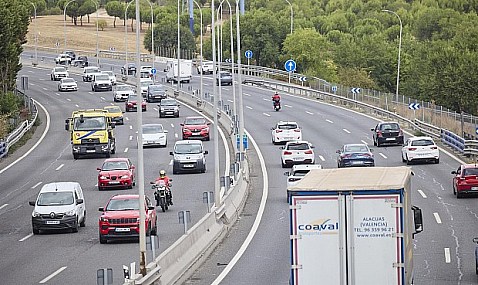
<point x="444" y="252"/>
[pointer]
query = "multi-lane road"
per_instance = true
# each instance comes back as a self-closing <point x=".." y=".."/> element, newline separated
<point x="444" y="252"/>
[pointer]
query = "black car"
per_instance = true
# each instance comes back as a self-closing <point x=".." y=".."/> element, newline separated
<point x="81" y="61"/>
<point x="387" y="133"/>
<point x="168" y="107"/>
<point x="128" y="69"/>
<point x="155" y="93"/>
<point x="71" y="54"/>
<point x="352" y="155"/>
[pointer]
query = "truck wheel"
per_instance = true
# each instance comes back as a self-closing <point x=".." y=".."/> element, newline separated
<point x="108" y="155"/>
<point x="76" y="156"/>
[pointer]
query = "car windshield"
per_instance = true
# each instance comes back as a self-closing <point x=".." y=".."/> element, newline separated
<point x="123" y="205"/>
<point x="156" y="88"/>
<point x="225" y="74"/>
<point x="114" y="109"/>
<point x="146" y="83"/>
<point x="470" y="171"/>
<point x="60" y="69"/>
<point x="424" y="142"/>
<point x="89" y="123"/>
<point x="391" y="127"/>
<point x="92" y="70"/>
<point x="123" y="88"/>
<point x="102" y="77"/>
<point x="152" y="129"/>
<point x="132" y="97"/>
<point x="300" y="172"/>
<point x="166" y="102"/>
<point x="287" y="127"/>
<point x="195" y="121"/>
<point x="115" y="165"/>
<point x="356" y="148"/>
<point x="55" y="199"/>
<point x="68" y="80"/>
<point x="187" y="148"/>
<point x="298" y="146"/>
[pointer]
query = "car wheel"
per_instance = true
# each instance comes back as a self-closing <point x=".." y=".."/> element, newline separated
<point x="284" y="165"/>
<point x="407" y="160"/>
<point x="83" y="223"/>
<point x="154" y="231"/>
<point x="207" y="138"/>
<point x="459" y="195"/>
<point x="203" y="170"/>
<point x="454" y="190"/>
<point x="403" y="159"/>
<point x="76" y="156"/>
<point x="148" y="230"/>
<point x="377" y="143"/>
<point x="35" y="231"/>
<point x="103" y="239"/>
<point x="108" y="155"/>
<point x="76" y="227"/>
<point x="175" y="171"/>
<point x="437" y="161"/>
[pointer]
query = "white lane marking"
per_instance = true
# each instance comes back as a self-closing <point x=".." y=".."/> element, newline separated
<point x="130" y="127"/>
<point x="265" y="114"/>
<point x="156" y="109"/>
<point x="447" y="255"/>
<point x="176" y="135"/>
<point x="321" y="158"/>
<point x="127" y="119"/>
<point x="103" y="98"/>
<point x="57" y="94"/>
<point x="91" y="93"/>
<point x="206" y="83"/>
<point x="112" y="104"/>
<point x="437" y="218"/>
<point x="347" y="131"/>
<point x="249" y="107"/>
<point x="77" y="106"/>
<point x="382" y="155"/>
<point x="126" y="150"/>
<point x="68" y="99"/>
<point x="171" y="162"/>
<point x="45" y="88"/>
<point x="26" y="237"/>
<point x="3" y="206"/>
<point x="329" y="121"/>
<point x="130" y="138"/>
<point x="172" y="125"/>
<point x="52" y="275"/>
<point x="247" y="94"/>
<point x="310" y="113"/>
<point x="364" y="142"/>
<point x="265" y="99"/>
<point x="229" y="100"/>
<point x="289" y="106"/>
<point x="422" y="193"/>
<point x="35" y="186"/>
<point x="31" y="71"/>
<point x="59" y="167"/>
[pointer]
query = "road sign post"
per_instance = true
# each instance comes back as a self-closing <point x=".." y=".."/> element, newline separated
<point x="414" y="107"/>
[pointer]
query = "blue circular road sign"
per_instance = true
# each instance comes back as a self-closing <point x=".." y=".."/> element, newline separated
<point x="153" y="70"/>
<point x="248" y="53"/>
<point x="290" y="65"/>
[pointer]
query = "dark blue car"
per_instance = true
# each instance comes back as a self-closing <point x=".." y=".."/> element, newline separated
<point x="354" y="155"/>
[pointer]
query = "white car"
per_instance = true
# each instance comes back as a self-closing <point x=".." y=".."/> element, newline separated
<point x="58" y="73"/>
<point x="207" y="67"/>
<point x="101" y="81"/>
<point x="145" y="82"/>
<point x="286" y="131"/>
<point x="111" y="75"/>
<point x="297" y="152"/>
<point x="121" y="92"/>
<point x="154" y="135"/>
<point x="88" y="73"/>
<point x="67" y="84"/>
<point x="298" y="172"/>
<point x="420" y="149"/>
<point x="63" y="59"/>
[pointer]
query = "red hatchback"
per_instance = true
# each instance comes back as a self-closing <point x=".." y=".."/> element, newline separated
<point x="195" y="128"/>
<point x="116" y="173"/>
<point x="120" y="218"/>
<point x="465" y="180"/>
<point x="131" y="103"/>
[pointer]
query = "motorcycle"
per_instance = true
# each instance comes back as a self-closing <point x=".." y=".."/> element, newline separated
<point x="162" y="194"/>
<point x="276" y="105"/>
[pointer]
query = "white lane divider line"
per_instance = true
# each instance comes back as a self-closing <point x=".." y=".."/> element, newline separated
<point x="127" y="119"/>
<point x="112" y="104"/>
<point x="288" y="106"/>
<point x="249" y="107"/>
<point x="247" y="94"/>
<point x="26" y="237"/>
<point x="45" y="88"/>
<point x="321" y="158"/>
<point x="91" y="93"/>
<point x="60" y="167"/>
<point x="130" y="138"/>
<point x="329" y="121"/>
<point x="364" y="142"/>
<point x="310" y="113"/>
<point x="265" y="99"/>
<point x="103" y="98"/>
<point x="176" y="135"/>
<point x="68" y="99"/>
<point x="57" y="94"/>
<point x="171" y="162"/>
<point x="125" y="150"/>
<point x="437" y="218"/>
<point x="172" y="125"/>
<point x="265" y="114"/>
<point x="447" y="255"/>
<point x="347" y="131"/>
<point x="382" y="155"/>
<point x="130" y="127"/>
<point x="77" y="106"/>
<point x="230" y="101"/>
<point x="422" y="193"/>
<point x="53" y="275"/>
<point x="3" y="206"/>
<point x="35" y="186"/>
<point x="156" y="109"/>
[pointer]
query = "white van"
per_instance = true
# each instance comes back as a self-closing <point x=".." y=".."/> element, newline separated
<point x="59" y="205"/>
<point x="185" y="67"/>
<point x="189" y="156"/>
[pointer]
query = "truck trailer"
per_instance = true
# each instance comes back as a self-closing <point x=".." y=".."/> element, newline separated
<point x="353" y="226"/>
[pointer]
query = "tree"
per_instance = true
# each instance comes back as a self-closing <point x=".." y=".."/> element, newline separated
<point x="102" y="24"/>
<point x="167" y="37"/>
<point x="115" y="9"/>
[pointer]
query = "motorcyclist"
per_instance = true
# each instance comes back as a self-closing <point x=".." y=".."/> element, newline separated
<point x="166" y="180"/>
<point x="276" y="99"/>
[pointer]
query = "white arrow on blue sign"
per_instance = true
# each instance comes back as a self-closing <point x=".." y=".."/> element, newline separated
<point x="248" y="53"/>
<point x="414" y="106"/>
<point x="355" y="90"/>
<point x="334" y="88"/>
<point x="302" y="78"/>
<point x="290" y="65"/>
<point x="153" y="70"/>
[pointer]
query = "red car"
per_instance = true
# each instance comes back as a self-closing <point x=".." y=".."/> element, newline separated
<point x="116" y="172"/>
<point x="465" y="180"/>
<point x="195" y="128"/>
<point x="120" y="218"/>
<point x="132" y="101"/>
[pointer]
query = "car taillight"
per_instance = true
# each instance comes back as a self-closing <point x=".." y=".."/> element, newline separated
<point x="346" y="155"/>
<point x="297" y="130"/>
<point x="379" y="133"/>
<point x="434" y="147"/>
<point x="308" y="152"/>
<point x="278" y="131"/>
<point x="287" y="153"/>
<point x="367" y="154"/>
<point x="412" y="148"/>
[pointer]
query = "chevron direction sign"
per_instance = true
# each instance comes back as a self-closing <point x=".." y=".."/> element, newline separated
<point x="355" y="90"/>
<point x="228" y="60"/>
<point x="414" y="106"/>
<point x="302" y="78"/>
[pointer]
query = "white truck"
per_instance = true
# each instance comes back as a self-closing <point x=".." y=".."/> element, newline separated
<point x="185" y="68"/>
<point x="353" y="226"/>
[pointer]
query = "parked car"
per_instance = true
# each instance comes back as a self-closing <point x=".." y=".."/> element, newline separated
<point x="67" y="84"/>
<point x="297" y="152"/>
<point x="168" y="107"/>
<point x="224" y="78"/>
<point x="59" y="205"/>
<point x="101" y="82"/>
<point x="58" y="73"/>
<point x="121" y="92"/>
<point x="195" y="127"/>
<point x="154" y="135"/>
<point x="88" y="72"/>
<point x="387" y="133"/>
<point x="298" y="172"/>
<point x="189" y="156"/>
<point x="131" y="103"/>
<point x="111" y="75"/>
<point x="352" y="155"/>
<point x="285" y="131"/>
<point x="465" y="180"/>
<point x="420" y="149"/>
<point x="119" y="218"/>
<point x="115" y="113"/>
<point x="155" y="93"/>
<point x="116" y="173"/>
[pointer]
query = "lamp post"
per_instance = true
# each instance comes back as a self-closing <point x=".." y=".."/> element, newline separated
<point x="217" y="193"/>
<point x="35" y="32"/>
<point x="200" y="60"/>
<point x="219" y="53"/>
<point x="291" y="16"/>
<point x="97" y="49"/>
<point x="399" y="49"/>
<point x="152" y="34"/>
<point x="240" y="103"/>
<point x="179" y="54"/>
<point x="125" y="38"/>
<point x="64" y="19"/>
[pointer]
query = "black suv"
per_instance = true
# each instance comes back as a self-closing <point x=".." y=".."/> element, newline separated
<point x="387" y="133"/>
<point x="128" y="69"/>
<point x="71" y="54"/>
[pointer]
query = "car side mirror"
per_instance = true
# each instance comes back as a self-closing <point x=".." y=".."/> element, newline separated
<point x="312" y="146"/>
<point x="372" y="129"/>
<point x="418" y="220"/>
<point x="281" y="147"/>
<point x="165" y="131"/>
<point x="371" y="150"/>
<point x="475" y="240"/>
<point x="287" y="173"/>
<point x="208" y="124"/>
<point x="206" y="152"/>
<point x="79" y="201"/>
<point x="171" y="153"/>
<point x="101" y="209"/>
<point x="150" y="208"/>
<point x="272" y="129"/>
<point x="181" y="124"/>
<point x="133" y="167"/>
<point x="170" y="180"/>
<point x="454" y="172"/>
<point x="337" y="151"/>
<point x="151" y="182"/>
<point x="98" y="168"/>
<point x="31" y="203"/>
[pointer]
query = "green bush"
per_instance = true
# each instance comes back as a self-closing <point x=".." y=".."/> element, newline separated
<point x="53" y="11"/>
<point x="10" y="103"/>
<point x="102" y="24"/>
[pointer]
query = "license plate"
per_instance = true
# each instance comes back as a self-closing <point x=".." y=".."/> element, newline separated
<point x="52" y="222"/>
<point x="390" y="139"/>
<point x="357" y="162"/>
<point x="197" y="133"/>
<point x="474" y="188"/>
<point x="188" y="165"/>
<point x="114" y="182"/>
<point x="288" y="138"/>
<point x="168" y="112"/>
<point x="298" y="158"/>
<point x="122" y="229"/>
<point x="90" y="150"/>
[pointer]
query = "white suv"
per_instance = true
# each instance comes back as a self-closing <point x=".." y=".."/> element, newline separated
<point x="286" y="131"/>
<point x="59" y="205"/>
<point x="189" y="156"/>
<point x="207" y="67"/>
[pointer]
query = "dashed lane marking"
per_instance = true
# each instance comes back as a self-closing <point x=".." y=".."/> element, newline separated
<point x="53" y="275"/>
<point x="447" y="255"/>
<point x="3" y="206"/>
<point x="26" y="237"/>
<point x="329" y="121"/>
<point x="347" y="131"/>
<point x="35" y="186"/>
<point x="265" y="114"/>
<point x="321" y="158"/>
<point x="422" y="193"/>
<point x="249" y="107"/>
<point x="60" y="167"/>
<point x="382" y="155"/>
<point x="437" y="218"/>
<point x="126" y="150"/>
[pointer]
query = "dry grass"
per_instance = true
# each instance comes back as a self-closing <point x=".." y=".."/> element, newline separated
<point x="83" y="38"/>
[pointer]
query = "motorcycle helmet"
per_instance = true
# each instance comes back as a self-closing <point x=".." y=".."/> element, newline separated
<point x="162" y="173"/>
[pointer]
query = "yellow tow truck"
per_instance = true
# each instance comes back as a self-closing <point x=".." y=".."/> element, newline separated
<point x="91" y="132"/>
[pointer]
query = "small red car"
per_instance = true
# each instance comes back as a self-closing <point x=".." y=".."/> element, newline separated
<point x="465" y="180"/>
<point x="132" y="101"/>
<point x="195" y="128"/>
<point x="115" y="173"/>
<point x="120" y="218"/>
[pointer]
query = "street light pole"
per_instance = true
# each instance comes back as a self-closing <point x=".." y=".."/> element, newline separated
<point x="64" y="19"/>
<point x="200" y="60"/>
<point x="35" y="33"/>
<point x="291" y="16"/>
<point x="179" y="54"/>
<point x="152" y="34"/>
<point x="125" y="39"/>
<point x="239" y="80"/>
<point x="217" y="186"/>
<point x="97" y="49"/>
<point x="399" y="49"/>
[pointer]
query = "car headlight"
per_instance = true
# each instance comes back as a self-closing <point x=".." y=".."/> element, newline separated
<point x="35" y="214"/>
<point x="103" y="177"/>
<point x="206" y="129"/>
<point x="125" y="177"/>
<point x="70" y="213"/>
<point x="103" y="219"/>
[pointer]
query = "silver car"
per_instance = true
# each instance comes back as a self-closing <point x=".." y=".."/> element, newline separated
<point x="67" y="84"/>
<point x="121" y="92"/>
